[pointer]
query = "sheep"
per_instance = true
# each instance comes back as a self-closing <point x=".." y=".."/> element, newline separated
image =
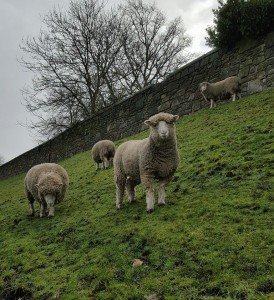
<point x="102" y="153"/>
<point x="147" y="160"/>
<point x="46" y="183"/>
<point x="224" y="89"/>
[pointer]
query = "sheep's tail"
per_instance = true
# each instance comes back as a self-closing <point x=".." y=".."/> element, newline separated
<point x="119" y="175"/>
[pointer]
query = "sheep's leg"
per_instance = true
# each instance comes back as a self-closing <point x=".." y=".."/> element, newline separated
<point x="106" y="163"/>
<point x="50" y="200"/>
<point x="51" y="211"/>
<point x="130" y="188"/>
<point x="111" y="162"/>
<point x="211" y="103"/>
<point x="31" y="201"/>
<point x="147" y="181"/>
<point x="97" y="166"/>
<point x="42" y="210"/>
<point x="120" y="190"/>
<point x="233" y="97"/>
<point x="239" y="95"/>
<point x="162" y="192"/>
<point x="32" y="210"/>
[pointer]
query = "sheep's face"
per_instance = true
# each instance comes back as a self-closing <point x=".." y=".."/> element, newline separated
<point x="162" y="126"/>
<point x="203" y="86"/>
<point x="49" y="185"/>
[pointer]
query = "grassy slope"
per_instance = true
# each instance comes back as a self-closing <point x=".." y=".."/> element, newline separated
<point x="212" y="240"/>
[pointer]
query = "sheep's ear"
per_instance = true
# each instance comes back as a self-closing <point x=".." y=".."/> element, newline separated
<point x="175" y="118"/>
<point x="203" y="87"/>
<point x="147" y="122"/>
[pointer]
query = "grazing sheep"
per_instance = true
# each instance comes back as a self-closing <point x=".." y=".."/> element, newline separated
<point x="224" y="89"/>
<point x="102" y="153"/>
<point x="46" y="183"/>
<point x="147" y="160"/>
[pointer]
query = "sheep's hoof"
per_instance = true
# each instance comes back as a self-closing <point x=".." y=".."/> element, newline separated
<point x="161" y="204"/>
<point x="149" y="211"/>
<point x="42" y="216"/>
<point x="118" y="207"/>
<point x="50" y="216"/>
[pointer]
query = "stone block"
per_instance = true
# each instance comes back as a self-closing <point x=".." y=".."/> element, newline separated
<point x="175" y="102"/>
<point x="233" y="69"/>
<point x="269" y="69"/>
<point x="191" y="97"/>
<point x="164" y="106"/>
<point x="139" y="117"/>
<point x="139" y="104"/>
<point x="204" y="61"/>
<point x="244" y="72"/>
<point x="259" y="50"/>
<point x="269" y="52"/>
<point x="190" y="69"/>
<point x="261" y="75"/>
<point x="254" y="86"/>
<point x="258" y="59"/>
<point x="270" y="80"/>
<point x="270" y="61"/>
<point x="184" y="72"/>
<point x="224" y="73"/>
<point x="269" y="41"/>
<point x="197" y="65"/>
<point x="214" y="56"/>
<point x="164" y="98"/>
<point x="253" y="69"/>
<point x="172" y="86"/>
<point x="245" y="45"/>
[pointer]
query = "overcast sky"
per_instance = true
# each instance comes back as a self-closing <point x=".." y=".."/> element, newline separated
<point x="22" y="18"/>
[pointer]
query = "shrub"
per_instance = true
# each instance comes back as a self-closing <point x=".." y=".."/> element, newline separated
<point x="235" y="19"/>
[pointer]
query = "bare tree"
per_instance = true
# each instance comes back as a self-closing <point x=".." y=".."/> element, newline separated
<point x="70" y="61"/>
<point x="152" y="47"/>
<point x="89" y="57"/>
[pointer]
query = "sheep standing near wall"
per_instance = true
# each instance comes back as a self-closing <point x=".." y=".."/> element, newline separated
<point x="46" y="183"/>
<point x="144" y="161"/>
<point x="224" y="89"/>
<point x="102" y="153"/>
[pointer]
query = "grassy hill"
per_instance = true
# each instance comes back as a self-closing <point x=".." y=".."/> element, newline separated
<point x="213" y="239"/>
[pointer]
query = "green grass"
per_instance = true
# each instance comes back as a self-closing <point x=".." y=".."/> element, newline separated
<point x="213" y="239"/>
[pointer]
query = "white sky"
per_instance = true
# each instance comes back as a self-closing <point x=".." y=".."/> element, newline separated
<point x="22" y="18"/>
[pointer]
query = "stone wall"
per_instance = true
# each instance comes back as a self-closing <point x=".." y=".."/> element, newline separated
<point x="252" y="61"/>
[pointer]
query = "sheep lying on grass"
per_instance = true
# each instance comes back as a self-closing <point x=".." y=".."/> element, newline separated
<point x="46" y="183"/>
<point x="221" y="90"/>
<point x="102" y="153"/>
<point x="147" y="160"/>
